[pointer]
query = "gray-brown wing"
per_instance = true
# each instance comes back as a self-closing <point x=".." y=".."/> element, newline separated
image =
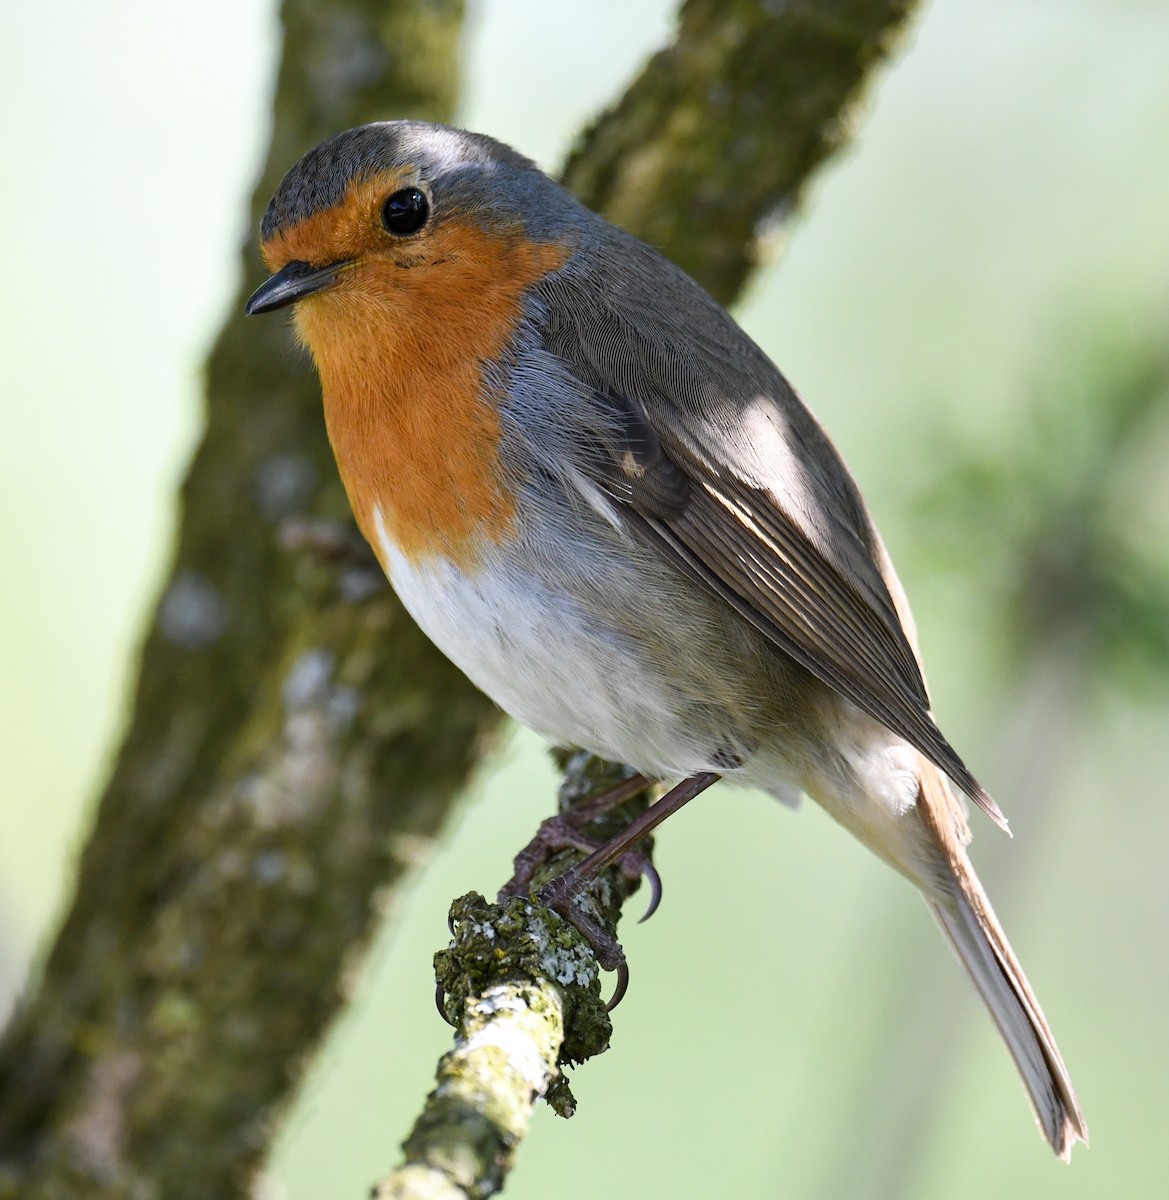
<point x="757" y="506"/>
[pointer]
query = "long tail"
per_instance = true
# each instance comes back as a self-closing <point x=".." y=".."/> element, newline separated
<point x="978" y="940"/>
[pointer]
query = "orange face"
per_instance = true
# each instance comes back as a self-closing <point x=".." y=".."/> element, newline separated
<point x="400" y="340"/>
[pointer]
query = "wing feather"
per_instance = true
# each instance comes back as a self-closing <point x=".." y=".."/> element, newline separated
<point x="733" y="478"/>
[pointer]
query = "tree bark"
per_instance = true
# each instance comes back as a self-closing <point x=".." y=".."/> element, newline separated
<point x="711" y="147"/>
<point x="295" y="742"/>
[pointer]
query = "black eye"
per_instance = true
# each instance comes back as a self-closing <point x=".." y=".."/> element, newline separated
<point x="405" y="212"/>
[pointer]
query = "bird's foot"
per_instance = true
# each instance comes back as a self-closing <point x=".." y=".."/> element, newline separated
<point x="564" y="832"/>
<point x="563" y="895"/>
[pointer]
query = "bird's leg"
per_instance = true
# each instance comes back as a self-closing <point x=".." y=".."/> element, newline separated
<point x="557" y="894"/>
<point x="565" y="832"/>
<point x="560" y="895"/>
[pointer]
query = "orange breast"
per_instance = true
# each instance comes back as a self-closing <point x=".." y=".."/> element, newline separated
<point x="401" y="352"/>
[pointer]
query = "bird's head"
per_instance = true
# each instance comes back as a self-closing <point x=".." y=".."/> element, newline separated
<point x="384" y="214"/>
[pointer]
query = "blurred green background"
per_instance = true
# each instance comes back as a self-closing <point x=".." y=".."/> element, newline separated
<point x="963" y="305"/>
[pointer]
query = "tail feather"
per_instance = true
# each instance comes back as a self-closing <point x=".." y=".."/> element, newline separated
<point x="995" y="973"/>
<point x="981" y="946"/>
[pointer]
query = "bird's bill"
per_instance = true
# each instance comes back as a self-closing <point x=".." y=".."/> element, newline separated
<point x="296" y="281"/>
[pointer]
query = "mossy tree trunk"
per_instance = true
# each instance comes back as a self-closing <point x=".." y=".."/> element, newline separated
<point x="293" y="738"/>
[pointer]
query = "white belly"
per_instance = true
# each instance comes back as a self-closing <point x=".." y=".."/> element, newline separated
<point x="540" y="657"/>
<point x="637" y="694"/>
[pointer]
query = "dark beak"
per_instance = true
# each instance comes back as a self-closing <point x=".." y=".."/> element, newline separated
<point x="297" y="280"/>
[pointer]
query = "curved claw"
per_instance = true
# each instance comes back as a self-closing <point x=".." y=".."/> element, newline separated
<point x="655" y="889"/>
<point x="621" y="988"/>
<point x="439" y="1003"/>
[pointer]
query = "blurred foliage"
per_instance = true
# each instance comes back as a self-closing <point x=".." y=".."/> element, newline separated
<point x="1065" y="511"/>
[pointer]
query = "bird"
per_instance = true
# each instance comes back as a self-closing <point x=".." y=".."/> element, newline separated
<point x="603" y="502"/>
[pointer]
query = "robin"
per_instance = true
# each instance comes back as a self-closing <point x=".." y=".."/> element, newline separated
<point x="603" y="502"/>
